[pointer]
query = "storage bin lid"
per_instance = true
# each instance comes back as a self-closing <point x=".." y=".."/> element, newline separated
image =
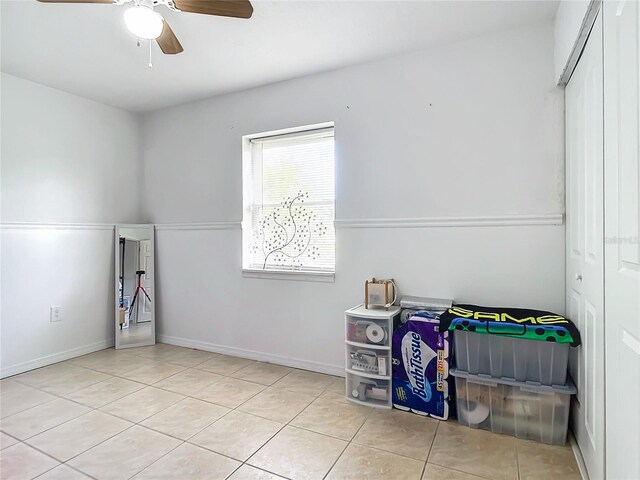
<point x="511" y="322"/>
<point x="568" y="389"/>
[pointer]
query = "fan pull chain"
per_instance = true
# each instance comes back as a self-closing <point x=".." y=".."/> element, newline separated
<point x="150" y="64"/>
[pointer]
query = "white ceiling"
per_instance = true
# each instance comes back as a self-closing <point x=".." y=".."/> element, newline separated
<point x="85" y="49"/>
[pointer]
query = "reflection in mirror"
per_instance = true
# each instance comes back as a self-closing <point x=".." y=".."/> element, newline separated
<point x="135" y="295"/>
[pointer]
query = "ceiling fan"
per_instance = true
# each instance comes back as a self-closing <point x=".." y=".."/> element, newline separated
<point x="144" y="22"/>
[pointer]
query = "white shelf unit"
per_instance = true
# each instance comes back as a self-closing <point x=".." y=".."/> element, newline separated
<point x="368" y="335"/>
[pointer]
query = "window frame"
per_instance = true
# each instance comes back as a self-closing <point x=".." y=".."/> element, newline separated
<point x="249" y="188"/>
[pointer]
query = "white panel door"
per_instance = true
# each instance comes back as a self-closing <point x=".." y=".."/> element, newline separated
<point x="585" y="262"/>
<point x="622" y="212"/>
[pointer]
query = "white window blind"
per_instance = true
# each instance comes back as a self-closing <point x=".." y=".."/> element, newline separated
<point x="289" y="202"/>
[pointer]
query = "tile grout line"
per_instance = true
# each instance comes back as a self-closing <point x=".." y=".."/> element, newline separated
<point x="459" y="471"/>
<point x="20" y="442"/>
<point x="90" y="448"/>
<point x="387" y="451"/>
<point x="185" y="368"/>
<point x="80" y="471"/>
<point x="245" y="462"/>
<point x="68" y="466"/>
<point x="158" y="459"/>
<point x="145" y="385"/>
<point x="185" y="396"/>
<point x="182" y="442"/>
<point x="59" y="396"/>
<point x="433" y="439"/>
<point x="347" y="446"/>
<point x="50" y="428"/>
<point x="64" y="462"/>
<point x="139" y="423"/>
<point x="284" y="425"/>
<point x="159" y="363"/>
<point x="517" y="461"/>
<point x="92" y="410"/>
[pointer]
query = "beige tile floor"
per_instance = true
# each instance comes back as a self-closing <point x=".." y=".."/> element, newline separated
<point x="166" y="412"/>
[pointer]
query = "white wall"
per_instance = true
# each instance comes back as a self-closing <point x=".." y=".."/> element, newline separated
<point x="568" y="24"/>
<point x="465" y="131"/>
<point x="70" y="166"/>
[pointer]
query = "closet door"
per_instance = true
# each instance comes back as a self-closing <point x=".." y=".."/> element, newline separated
<point x="585" y="262"/>
<point x="622" y="255"/>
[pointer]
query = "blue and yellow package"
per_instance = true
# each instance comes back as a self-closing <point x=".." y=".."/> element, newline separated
<point x="420" y="359"/>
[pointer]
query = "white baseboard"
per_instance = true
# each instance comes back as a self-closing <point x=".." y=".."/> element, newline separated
<point x="55" y="358"/>
<point x="337" y="370"/>
<point x="578" y="454"/>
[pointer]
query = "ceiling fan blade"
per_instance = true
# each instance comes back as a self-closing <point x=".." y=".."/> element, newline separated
<point x="167" y="41"/>
<point x="224" y="8"/>
<point x="76" y="1"/>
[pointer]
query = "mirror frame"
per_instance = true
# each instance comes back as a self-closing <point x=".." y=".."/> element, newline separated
<point x="151" y="227"/>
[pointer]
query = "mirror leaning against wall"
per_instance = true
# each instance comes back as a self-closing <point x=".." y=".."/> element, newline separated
<point x="134" y="286"/>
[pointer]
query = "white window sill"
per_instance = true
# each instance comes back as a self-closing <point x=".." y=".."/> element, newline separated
<point x="289" y="275"/>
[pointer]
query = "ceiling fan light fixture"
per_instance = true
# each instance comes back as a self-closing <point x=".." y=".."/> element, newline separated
<point x="143" y="22"/>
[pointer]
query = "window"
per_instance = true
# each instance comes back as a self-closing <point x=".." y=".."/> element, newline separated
<point x="289" y="201"/>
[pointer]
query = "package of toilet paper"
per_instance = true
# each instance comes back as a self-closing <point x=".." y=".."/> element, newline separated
<point x="420" y="360"/>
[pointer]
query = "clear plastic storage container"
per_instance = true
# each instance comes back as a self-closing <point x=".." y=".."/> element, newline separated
<point x="374" y="392"/>
<point x="514" y="358"/>
<point x="369" y="331"/>
<point x="522" y="409"/>
<point x="368" y="361"/>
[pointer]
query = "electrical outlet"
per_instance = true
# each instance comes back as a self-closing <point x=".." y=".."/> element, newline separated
<point x="56" y="314"/>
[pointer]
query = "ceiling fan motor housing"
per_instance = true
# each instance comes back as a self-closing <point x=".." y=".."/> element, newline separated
<point x="149" y="3"/>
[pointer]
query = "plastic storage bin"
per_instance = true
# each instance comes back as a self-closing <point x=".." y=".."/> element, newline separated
<point x="514" y="358"/>
<point x="369" y="361"/>
<point x="369" y="331"/>
<point x="374" y="392"/>
<point x="524" y="410"/>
